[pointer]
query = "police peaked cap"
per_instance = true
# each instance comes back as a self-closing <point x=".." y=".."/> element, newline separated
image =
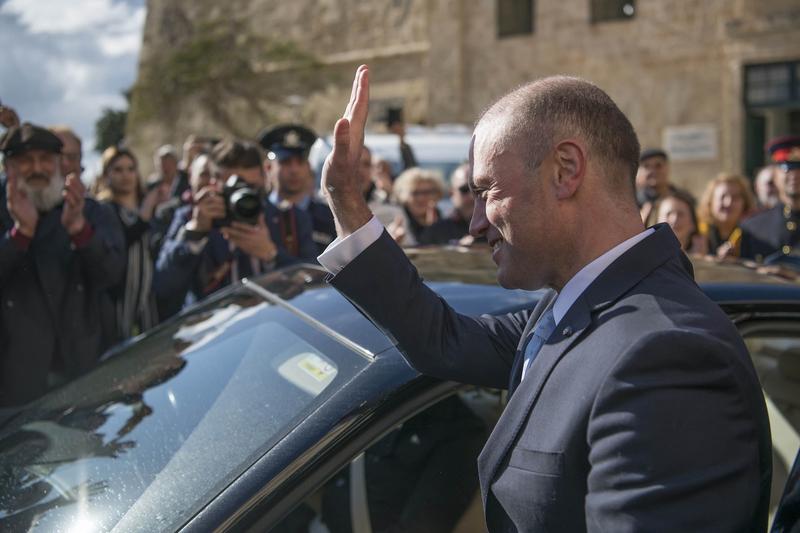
<point x="287" y="140"/>
<point x="28" y="136"/>
<point x="785" y="150"/>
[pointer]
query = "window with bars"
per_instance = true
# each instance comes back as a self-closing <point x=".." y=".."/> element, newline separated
<point x="773" y="84"/>
<point x="606" y="10"/>
<point x="514" y="17"/>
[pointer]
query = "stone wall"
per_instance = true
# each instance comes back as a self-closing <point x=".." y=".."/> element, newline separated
<point x="676" y="63"/>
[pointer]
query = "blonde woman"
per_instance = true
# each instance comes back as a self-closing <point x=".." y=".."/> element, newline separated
<point x="726" y="201"/>
<point x="416" y="191"/>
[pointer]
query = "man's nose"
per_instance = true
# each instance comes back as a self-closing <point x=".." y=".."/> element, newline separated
<point x="38" y="165"/>
<point x="478" y="224"/>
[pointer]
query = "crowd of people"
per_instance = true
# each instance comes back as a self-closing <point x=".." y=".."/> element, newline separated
<point x="732" y="219"/>
<point x="83" y="268"/>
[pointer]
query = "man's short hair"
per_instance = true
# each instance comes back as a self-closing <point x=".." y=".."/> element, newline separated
<point x="60" y="129"/>
<point x="232" y="153"/>
<point x="547" y="110"/>
<point x="653" y="152"/>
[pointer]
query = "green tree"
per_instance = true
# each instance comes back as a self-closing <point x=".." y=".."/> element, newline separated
<point x="110" y="128"/>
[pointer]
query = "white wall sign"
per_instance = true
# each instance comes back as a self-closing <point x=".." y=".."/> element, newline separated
<point x="693" y="142"/>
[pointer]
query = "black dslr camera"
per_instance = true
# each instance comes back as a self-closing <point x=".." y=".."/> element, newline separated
<point x="243" y="203"/>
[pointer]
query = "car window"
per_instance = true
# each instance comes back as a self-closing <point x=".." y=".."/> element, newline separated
<point x="157" y="431"/>
<point x="420" y="476"/>
<point x="775" y="350"/>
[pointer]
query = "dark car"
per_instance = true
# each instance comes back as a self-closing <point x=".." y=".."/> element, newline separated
<point x="275" y="405"/>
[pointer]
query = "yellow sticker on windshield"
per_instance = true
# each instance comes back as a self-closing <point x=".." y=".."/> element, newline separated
<point x="316" y="367"/>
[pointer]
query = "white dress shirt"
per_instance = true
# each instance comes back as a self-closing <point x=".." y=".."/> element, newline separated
<point x="341" y="251"/>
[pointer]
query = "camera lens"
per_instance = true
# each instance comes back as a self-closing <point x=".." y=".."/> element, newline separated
<point x="246" y="205"/>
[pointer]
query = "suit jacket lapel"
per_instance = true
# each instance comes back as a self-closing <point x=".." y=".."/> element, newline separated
<point x="623" y="274"/>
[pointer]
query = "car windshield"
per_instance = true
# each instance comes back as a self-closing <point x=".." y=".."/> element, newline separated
<point x="158" y="430"/>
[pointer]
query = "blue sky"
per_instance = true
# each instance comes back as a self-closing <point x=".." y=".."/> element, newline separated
<point x="63" y="61"/>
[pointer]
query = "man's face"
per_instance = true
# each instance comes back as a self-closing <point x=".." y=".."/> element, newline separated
<point x="71" y="155"/>
<point x="788" y="181"/>
<point x="38" y="174"/>
<point x="514" y="211"/>
<point x="169" y="165"/>
<point x="293" y="175"/>
<point x="766" y="186"/>
<point x="653" y="176"/>
<point x="34" y="168"/>
<point x="461" y="196"/>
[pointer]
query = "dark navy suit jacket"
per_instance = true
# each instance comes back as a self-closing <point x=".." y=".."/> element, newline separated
<point x="642" y="412"/>
<point x="180" y="272"/>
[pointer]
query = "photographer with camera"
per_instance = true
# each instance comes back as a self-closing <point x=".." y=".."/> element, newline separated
<point x="230" y="230"/>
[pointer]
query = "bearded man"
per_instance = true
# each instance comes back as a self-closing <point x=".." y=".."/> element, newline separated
<point x="59" y="252"/>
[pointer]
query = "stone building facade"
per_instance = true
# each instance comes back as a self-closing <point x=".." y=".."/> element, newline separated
<point x="708" y="79"/>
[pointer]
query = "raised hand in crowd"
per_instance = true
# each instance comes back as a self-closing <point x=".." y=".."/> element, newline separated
<point x="397" y="228"/>
<point x="21" y="208"/>
<point x="208" y="206"/>
<point x="255" y="240"/>
<point x="431" y="213"/>
<point x="8" y="117"/>
<point x="340" y="178"/>
<point x="155" y="197"/>
<point x="74" y="199"/>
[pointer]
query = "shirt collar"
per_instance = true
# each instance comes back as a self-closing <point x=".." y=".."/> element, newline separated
<point x="302" y="204"/>
<point x="585" y="276"/>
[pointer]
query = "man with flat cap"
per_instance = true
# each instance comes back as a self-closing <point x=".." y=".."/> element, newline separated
<point x="652" y="179"/>
<point x="288" y="170"/>
<point x="773" y="236"/>
<point x="59" y="252"/>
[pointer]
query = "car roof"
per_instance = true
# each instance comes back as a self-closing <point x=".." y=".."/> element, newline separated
<point x="723" y="280"/>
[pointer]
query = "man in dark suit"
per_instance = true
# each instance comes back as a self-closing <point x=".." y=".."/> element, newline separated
<point x="633" y="403"/>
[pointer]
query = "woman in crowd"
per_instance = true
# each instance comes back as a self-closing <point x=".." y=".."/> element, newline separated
<point x="417" y="191"/>
<point x="133" y="299"/>
<point x="725" y="202"/>
<point x="677" y="210"/>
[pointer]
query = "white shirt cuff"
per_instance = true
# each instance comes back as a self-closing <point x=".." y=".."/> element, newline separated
<point x="341" y="251"/>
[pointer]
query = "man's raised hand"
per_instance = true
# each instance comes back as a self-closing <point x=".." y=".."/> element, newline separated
<point x="74" y="199"/>
<point x="340" y="178"/>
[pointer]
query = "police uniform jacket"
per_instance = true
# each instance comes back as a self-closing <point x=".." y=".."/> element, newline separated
<point x="185" y="268"/>
<point x="770" y="233"/>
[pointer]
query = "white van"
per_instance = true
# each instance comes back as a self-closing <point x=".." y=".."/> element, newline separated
<point x="441" y="148"/>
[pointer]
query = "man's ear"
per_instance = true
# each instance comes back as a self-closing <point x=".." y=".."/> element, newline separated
<point x="570" y="167"/>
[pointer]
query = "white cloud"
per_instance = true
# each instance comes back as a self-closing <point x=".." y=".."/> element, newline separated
<point x="69" y="16"/>
<point x="69" y="59"/>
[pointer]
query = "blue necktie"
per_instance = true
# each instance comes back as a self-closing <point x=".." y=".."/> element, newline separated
<point x="541" y="332"/>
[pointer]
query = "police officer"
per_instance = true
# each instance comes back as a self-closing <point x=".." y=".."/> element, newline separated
<point x="773" y="236"/>
<point x="290" y="174"/>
